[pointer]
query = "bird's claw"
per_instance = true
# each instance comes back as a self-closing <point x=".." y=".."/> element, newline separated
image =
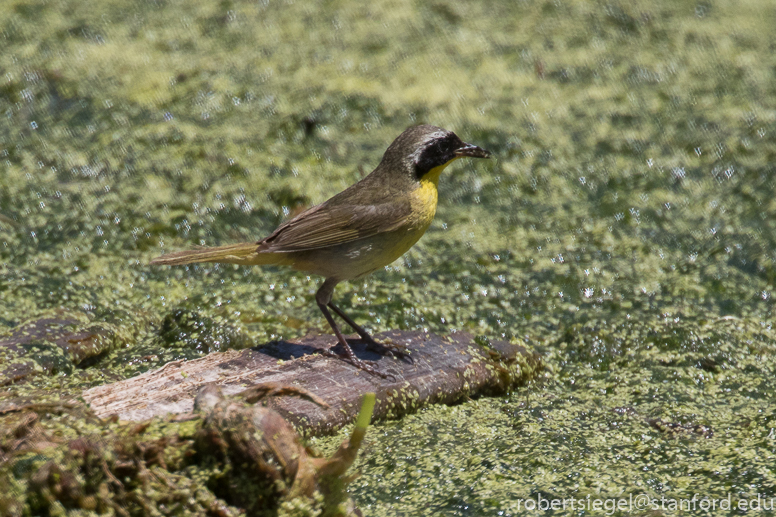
<point x="394" y="350"/>
<point x="361" y="364"/>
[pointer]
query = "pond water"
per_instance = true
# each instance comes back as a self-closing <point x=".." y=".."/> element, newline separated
<point x="624" y="228"/>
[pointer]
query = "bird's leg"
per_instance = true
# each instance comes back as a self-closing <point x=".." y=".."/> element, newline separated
<point x="348" y="352"/>
<point x="372" y="343"/>
<point x="361" y="331"/>
<point x="323" y="298"/>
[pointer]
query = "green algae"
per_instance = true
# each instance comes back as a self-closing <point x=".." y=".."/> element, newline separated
<point x="625" y="229"/>
<point x="670" y="414"/>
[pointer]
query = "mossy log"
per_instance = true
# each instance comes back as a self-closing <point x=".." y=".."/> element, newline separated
<point x="442" y="369"/>
<point x="54" y="344"/>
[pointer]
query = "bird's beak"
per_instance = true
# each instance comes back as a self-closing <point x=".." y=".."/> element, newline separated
<point x="472" y="151"/>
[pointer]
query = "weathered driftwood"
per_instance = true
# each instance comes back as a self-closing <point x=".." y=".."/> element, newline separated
<point x="442" y="370"/>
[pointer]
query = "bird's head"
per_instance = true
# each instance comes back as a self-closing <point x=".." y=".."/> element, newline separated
<point x="423" y="149"/>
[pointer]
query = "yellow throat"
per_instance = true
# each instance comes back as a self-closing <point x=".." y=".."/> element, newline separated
<point x="424" y="198"/>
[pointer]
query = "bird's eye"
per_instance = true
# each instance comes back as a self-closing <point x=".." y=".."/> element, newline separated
<point x="438" y="152"/>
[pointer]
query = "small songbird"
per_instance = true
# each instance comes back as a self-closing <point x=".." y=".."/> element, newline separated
<point x="363" y="228"/>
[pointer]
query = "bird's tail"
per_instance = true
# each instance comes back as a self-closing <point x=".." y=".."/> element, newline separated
<point x="246" y="253"/>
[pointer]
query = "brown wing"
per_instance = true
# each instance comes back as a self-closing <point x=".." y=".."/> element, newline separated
<point x="325" y="225"/>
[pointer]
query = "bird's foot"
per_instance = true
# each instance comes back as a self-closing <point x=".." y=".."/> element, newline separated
<point x="387" y="347"/>
<point x="367" y="366"/>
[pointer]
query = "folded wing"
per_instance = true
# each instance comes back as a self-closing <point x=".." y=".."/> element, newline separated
<point x="324" y="226"/>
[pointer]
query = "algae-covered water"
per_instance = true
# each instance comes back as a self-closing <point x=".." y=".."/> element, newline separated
<point x="624" y="228"/>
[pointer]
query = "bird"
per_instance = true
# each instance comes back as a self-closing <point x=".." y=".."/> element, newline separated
<point x="363" y="228"/>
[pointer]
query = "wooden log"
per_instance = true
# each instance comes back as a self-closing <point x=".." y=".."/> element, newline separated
<point x="443" y="370"/>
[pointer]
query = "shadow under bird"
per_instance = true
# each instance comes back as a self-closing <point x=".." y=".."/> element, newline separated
<point x="363" y="228"/>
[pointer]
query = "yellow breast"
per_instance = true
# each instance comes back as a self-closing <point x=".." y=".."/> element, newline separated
<point x="423" y="199"/>
<point x="423" y="202"/>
